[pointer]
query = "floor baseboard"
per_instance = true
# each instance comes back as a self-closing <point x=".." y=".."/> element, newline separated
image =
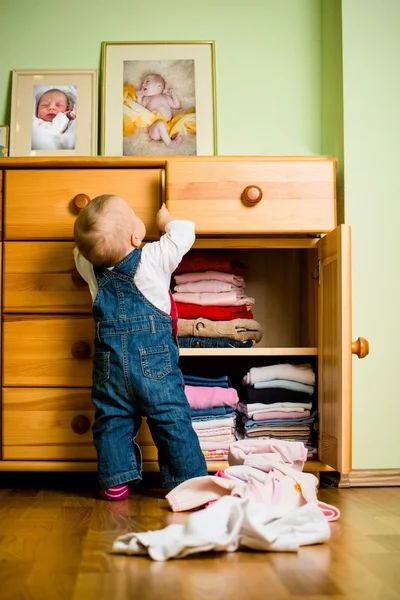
<point x="370" y="478"/>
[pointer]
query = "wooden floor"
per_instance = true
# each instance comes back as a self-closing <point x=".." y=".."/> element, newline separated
<point x="55" y="539"/>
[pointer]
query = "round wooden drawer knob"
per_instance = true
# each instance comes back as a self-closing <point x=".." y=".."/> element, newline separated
<point x="80" y="201"/>
<point x="80" y="350"/>
<point x="251" y="195"/>
<point x="77" y="279"/>
<point x="360" y="347"/>
<point x="80" y="424"/>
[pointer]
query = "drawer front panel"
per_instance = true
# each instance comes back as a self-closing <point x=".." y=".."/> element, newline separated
<point x="38" y="351"/>
<point x="298" y="196"/>
<point x="41" y="277"/>
<point x="54" y="424"/>
<point x="38" y="204"/>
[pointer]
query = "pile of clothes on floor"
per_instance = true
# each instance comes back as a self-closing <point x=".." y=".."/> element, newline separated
<point x="262" y="501"/>
<point x="213" y="308"/>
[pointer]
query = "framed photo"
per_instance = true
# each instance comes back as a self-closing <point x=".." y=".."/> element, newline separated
<point x="54" y="113"/>
<point x="3" y="141"/>
<point x="158" y="98"/>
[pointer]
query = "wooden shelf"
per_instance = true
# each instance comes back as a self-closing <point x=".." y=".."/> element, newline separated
<point x="254" y="242"/>
<point x="311" y="351"/>
<point x="311" y="466"/>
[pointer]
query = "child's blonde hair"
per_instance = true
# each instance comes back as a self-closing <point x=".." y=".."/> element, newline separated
<point x="102" y="235"/>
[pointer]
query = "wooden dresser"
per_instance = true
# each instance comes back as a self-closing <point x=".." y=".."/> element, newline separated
<point x="272" y="212"/>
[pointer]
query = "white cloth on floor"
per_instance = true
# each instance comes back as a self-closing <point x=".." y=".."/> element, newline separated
<point x="229" y="524"/>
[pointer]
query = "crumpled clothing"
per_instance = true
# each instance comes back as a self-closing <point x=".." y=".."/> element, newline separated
<point x="227" y="525"/>
<point x="268" y="471"/>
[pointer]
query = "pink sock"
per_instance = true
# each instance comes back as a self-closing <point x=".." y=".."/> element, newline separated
<point x="119" y="492"/>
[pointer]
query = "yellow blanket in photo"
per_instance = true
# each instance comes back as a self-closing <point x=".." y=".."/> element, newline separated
<point x="136" y="115"/>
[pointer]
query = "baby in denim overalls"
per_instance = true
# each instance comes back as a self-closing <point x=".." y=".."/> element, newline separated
<point x="135" y="370"/>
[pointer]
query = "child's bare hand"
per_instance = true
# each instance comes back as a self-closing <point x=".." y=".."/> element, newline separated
<point x="163" y="217"/>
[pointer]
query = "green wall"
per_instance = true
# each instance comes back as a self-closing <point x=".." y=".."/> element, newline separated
<point x="268" y="57"/>
<point x="371" y="89"/>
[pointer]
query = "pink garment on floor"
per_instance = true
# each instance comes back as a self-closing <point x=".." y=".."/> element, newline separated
<point x="206" y="397"/>
<point x="267" y="471"/>
<point x="262" y="416"/>
<point x="207" y="275"/>
<point x="211" y="285"/>
<point x="214" y="299"/>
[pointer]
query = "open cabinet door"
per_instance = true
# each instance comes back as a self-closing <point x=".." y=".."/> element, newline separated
<point x="334" y="349"/>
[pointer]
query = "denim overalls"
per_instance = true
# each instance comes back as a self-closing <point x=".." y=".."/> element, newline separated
<point x="136" y="374"/>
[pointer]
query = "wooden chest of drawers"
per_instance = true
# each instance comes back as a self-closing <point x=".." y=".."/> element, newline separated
<point x="267" y="210"/>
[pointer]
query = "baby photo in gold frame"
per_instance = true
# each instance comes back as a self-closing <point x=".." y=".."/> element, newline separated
<point x="54" y="113"/>
<point x="158" y="98"/>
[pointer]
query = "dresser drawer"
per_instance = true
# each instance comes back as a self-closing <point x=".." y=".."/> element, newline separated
<point x="287" y="195"/>
<point x="38" y="204"/>
<point x="40" y="277"/>
<point x="54" y="424"/>
<point x="47" y="351"/>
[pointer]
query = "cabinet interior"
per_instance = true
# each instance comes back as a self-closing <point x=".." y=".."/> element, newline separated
<point x="284" y="285"/>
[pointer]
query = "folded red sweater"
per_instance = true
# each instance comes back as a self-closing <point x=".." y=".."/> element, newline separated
<point x="210" y="260"/>
<point x="214" y="313"/>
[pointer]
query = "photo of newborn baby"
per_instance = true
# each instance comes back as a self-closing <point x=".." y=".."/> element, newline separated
<point x="159" y="107"/>
<point x="54" y="117"/>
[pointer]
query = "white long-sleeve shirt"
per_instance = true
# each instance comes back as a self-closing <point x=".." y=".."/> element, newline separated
<point x="158" y="261"/>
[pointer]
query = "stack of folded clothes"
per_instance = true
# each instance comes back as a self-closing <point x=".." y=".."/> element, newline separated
<point x="213" y="402"/>
<point x="213" y="308"/>
<point x="277" y="403"/>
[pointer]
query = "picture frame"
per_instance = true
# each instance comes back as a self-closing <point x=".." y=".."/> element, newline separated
<point x="37" y="98"/>
<point x="177" y="118"/>
<point x="4" y="140"/>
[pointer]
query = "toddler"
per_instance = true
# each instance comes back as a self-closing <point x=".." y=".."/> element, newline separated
<point x="135" y="370"/>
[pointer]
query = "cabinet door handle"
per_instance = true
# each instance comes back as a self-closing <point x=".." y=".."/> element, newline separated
<point x="251" y="195"/>
<point x="80" y="424"/>
<point x="80" y="350"/>
<point x="78" y="279"/>
<point x="80" y="201"/>
<point x="360" y="347"/>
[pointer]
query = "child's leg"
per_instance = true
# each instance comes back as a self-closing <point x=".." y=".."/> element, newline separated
<point x="115" y="427"/>
<point x="168" y="416"/>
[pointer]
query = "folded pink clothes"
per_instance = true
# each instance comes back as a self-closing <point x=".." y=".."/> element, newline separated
<point x="214" y="299"/>
<point x="266" y="471"/>
<point x="214" y="432"/>
<point x="205" y="397"/>
<point x="210" y="445"/>
<point x="210" y="285"/>
<point x="224" y="437"/>
<point x="262" y="416"/>
<point x="207" y="275"/>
